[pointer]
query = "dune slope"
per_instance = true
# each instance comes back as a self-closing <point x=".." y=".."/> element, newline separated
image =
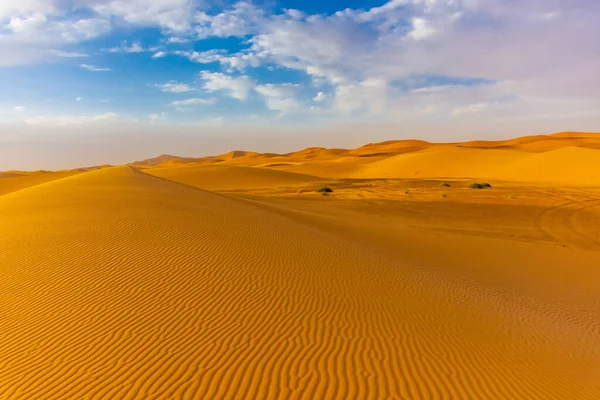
<point x="116" y="284"/>
<point x="225" y="177"/>
<point x="443" y="162"/>
<point x="11" y="182"/>
<point x="569" y="165"/>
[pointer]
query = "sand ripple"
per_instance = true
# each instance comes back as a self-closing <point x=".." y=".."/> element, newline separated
<point x="119" y="285"/>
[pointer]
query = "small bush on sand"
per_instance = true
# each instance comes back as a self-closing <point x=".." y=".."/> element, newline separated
<point x="324" y="189"/>
<point x="444" y="195"/>
<point x="445" y="184"/>
<point x="480" y="185"/>
<point x="406" y="191"/>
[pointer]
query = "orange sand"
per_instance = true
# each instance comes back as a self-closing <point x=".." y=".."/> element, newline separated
<point x="224" y="177"/>
<point x="129" y="283"/>
<point x="13" y="181"/>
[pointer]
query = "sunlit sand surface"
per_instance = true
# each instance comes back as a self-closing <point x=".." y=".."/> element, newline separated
<point x="231" y="278"/>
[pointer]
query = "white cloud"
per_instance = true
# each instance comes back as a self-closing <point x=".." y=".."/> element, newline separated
<point x="203" y="57"/>
<point x="19" y="108"/>
<point x="366" y="58"/>
<point x="71" y="120"/>
<point x="280" y="97"/>
<point x="230" y="62"/>
<point x="170" y="15"/>
<point x="94" y="68"/>
<point x="242" y="19"/>
<point x="79" y="99"/>
<point x="134" y="47"/>
<point x="319" y="97"/>
<point x="177" y="40"/>
<point x="335" y="47"/>
<point x="38" y="28"/>
<point x="422" y="29"/>
<point x="27" y="25"/>
<point x="295" y="14"/>
<point x="174" y="87"/>
<point x="237" y="87"/>
<point x="404" y="38"/>
<point x="66" y="54"/>
<point x="273" y="90"/>
<point x="19" y="7"/>
<point x="80" y="30"/>
<point x="240" y="61"/>
<point x="33" y="36"/>
<point x="193" y="101"/>
<point x="369" y="95"/>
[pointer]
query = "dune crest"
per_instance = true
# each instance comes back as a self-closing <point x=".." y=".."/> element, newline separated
<point x="509" y="160"/>
<point x="224" y="177"/>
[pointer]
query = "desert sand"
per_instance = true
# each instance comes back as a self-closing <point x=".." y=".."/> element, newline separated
<point x="230" y="277"/>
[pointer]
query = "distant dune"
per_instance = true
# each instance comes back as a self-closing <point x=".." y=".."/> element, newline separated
<point x="164" y="158"/>
<point x="224" y="177"/>
<point x="440" y="161"/>
<point x="524" y="159"/>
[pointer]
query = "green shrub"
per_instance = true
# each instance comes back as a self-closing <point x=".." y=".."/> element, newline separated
<point x="324" y="189"/>
<point x="445" y="184"/>
<point x="480" y="185"/>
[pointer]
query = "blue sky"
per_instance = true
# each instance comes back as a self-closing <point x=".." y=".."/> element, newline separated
<point x="437" y="69"/>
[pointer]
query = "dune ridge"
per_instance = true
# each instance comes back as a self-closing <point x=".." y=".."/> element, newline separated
<point x="122" y="285"/>
<point x="224" y="177"/>
<point x="15" y="181"/>
<point x="524" y="159"/>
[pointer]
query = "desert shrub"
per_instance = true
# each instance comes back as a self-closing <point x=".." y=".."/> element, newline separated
<point x="444" y="195"/>
<point x="480" y="185"/>
<point x="324" y="189"/>
<point x="407" y="191"/>
<point x="445" y="184"/>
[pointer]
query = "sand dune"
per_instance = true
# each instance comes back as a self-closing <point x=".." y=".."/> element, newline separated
<point x="165" y="159"/>
<point x="347" y="168"/>
<point x="118" y="284"/>
<point x="569" y="165"/>
<point x="138" y="283"/>
<point x="525" y="159"/>
<point x="225" y="177"/>
<point x="444" y="162"/>
<point x="236" y="154"/>
<point x="13" y="181"/>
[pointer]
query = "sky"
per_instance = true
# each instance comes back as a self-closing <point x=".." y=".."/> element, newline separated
<point x="88" y="82"/>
